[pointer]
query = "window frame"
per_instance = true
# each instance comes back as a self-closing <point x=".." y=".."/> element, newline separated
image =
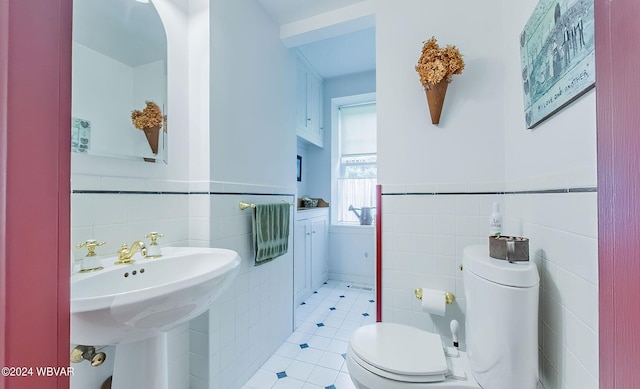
<point x="336" y="165"/>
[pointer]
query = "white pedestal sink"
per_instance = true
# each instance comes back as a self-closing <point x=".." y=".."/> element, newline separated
<point x="132" y="306"/>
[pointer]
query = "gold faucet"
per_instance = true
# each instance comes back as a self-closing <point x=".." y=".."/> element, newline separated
<point x="125" y="253"/>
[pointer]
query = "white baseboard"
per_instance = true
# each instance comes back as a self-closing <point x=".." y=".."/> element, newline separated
<point x="351" y="278"/>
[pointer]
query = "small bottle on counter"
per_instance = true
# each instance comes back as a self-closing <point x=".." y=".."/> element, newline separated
<point x="495" y="221"/>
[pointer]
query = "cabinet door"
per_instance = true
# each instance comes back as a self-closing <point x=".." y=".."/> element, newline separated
<point x="319" y="271"/>
<point x="314" y="109"/>
<point x="301" y="260"/>
<point x="301" y="100"/>
<point x="308" y="104"/>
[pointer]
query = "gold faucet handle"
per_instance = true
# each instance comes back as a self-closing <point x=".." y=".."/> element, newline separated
<point x="154" y="236"/>
<point x="91" y="245"/>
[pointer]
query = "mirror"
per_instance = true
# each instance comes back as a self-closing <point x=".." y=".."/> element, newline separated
<point x="119" y="63"/>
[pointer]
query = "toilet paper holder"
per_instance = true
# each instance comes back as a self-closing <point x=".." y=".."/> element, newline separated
<point x="449" y="297"/>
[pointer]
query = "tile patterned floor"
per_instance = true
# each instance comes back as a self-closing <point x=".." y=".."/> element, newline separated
<point x="313" y="357"/>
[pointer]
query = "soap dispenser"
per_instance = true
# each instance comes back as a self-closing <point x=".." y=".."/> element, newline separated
<point x="153" y="250"/>
<point x="495" y="221"/>
<point x="91" y="261"/>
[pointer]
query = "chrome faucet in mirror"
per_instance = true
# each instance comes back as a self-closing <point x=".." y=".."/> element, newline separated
<point x="119" y="64"/>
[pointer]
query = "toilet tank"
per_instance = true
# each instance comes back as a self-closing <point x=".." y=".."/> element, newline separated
<point x="501" y="320"/>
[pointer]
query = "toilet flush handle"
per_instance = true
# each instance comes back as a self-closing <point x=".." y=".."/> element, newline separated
<point x="455" y="326"/>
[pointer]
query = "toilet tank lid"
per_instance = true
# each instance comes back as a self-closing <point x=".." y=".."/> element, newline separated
<point x="476" y="260"/>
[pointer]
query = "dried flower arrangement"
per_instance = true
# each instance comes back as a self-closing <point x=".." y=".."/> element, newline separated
<point x="436" y="67"/>
<point x="149" y="117"/>
<point x="437" y="64"/>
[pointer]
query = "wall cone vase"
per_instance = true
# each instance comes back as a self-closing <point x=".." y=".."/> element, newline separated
<point x="152" y="135"/>
<point x="435" y="98"/>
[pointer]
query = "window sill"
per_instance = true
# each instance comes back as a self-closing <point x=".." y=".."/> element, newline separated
<point x="352" y="229"/>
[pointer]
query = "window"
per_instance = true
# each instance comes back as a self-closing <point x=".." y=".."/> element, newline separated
<point x="358" y="168"/>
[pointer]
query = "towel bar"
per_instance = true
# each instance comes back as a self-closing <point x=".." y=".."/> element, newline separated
<point x="244" y="205"/>
<point x="449" y="297"/>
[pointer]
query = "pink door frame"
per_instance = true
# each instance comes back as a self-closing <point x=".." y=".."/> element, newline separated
<point x="35" y="118"/>
<point x="618" y="122"/>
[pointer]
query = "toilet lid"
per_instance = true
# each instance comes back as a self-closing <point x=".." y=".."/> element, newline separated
<point x="401" y="350"/>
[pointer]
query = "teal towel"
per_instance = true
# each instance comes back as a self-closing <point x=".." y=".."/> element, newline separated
<point x="271" y="231"/>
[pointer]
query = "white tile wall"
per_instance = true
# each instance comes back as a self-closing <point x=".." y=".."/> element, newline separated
<point x="562" y="229"/>
<point x="422" y="242"/>
<point x="124" y="218"/>
<point x="423" y="239"/>
<point x="199" y="222"/>
<point x="199" y="348"/>
<point x="352" y="254"/>
<point x="255" y="315"/>
<point x="224" y="347"/>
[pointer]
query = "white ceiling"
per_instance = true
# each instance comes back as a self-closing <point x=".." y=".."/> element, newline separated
<point x="106" y="25"/>
<point x="287" y="11"/>
<point x="125" y="30"/>
<point x="346" y="54"/>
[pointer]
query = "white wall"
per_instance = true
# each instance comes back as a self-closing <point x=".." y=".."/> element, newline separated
<point x="252" y="97"/>
<point x="352" y="254"/>
<point x="559" y="153"/>
<point x="468" y="145"/>
<point x="423" y="237"/>
<point x="423" y="233"/>
<point x="563" y="231"/>
<point x="482" y="145"/>
<point x="308" y="172"/>
<point x="255" y="315"/>
<point x="252" y="145"/>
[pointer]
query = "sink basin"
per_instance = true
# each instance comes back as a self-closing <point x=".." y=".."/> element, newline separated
<point x="127" y="303"/>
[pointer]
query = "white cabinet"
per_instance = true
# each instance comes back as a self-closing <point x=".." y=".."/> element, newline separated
<point x="310" y="252"/>
<point x="309" y="122"/>
<point x="319" y="243"/>
<point x="301" y="260"/>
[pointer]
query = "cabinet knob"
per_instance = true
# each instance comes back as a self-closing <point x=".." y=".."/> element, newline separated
<point x="308" y="233"/>
<point x="313" y="232"/>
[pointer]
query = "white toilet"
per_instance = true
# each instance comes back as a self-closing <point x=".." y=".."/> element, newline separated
<point x="501" y="336"/>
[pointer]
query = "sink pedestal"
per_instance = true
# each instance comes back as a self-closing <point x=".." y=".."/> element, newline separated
<point x="142" y="364"/>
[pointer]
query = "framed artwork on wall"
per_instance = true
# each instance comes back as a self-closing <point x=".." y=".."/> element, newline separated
<point x="557" y="52"/>
<point x="299" y="167"/>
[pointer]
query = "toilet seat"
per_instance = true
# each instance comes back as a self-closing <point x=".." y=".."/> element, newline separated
<point x="399" y="352"/>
